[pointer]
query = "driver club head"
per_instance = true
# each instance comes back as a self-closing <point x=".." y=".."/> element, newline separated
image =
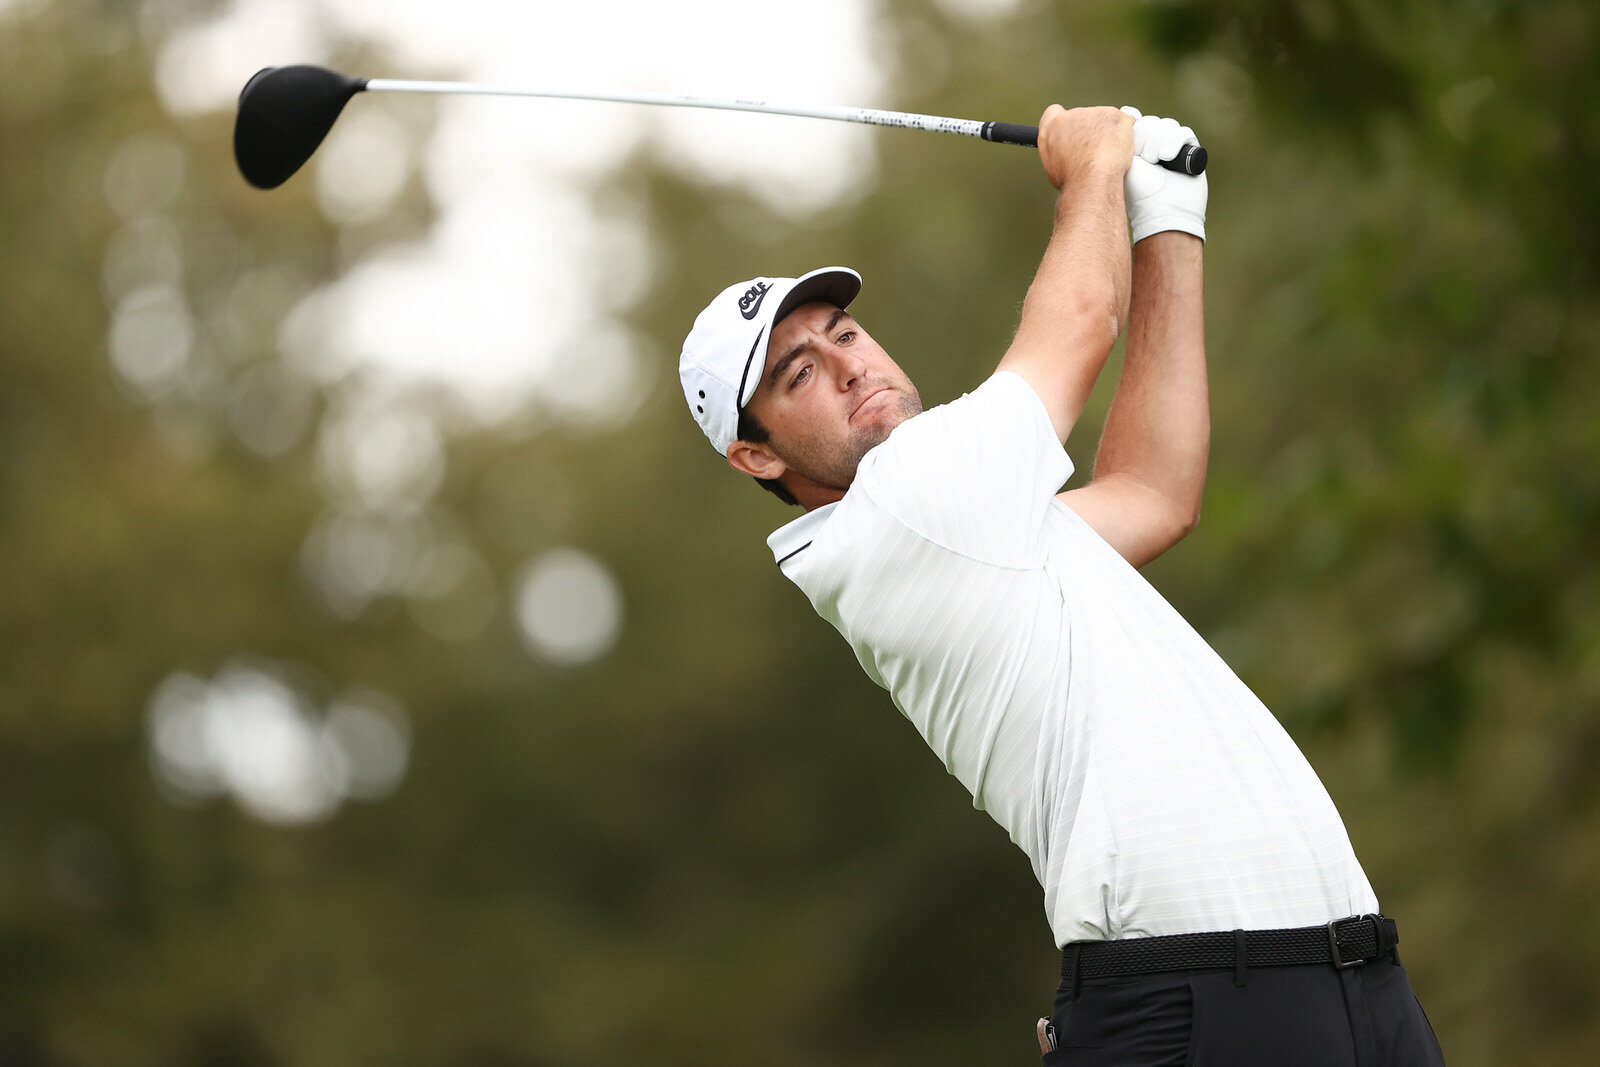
<point x="284" y="114"/>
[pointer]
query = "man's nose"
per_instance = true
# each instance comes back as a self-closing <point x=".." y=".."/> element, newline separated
<point x="851" y="367"/>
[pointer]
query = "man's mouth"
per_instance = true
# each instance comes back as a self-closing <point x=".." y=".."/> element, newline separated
<point x="870" y="393"/>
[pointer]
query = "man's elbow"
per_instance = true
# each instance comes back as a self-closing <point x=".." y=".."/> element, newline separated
<point x="1180" y="506"/>
<point x="1186" y="516"/>
<point x="1172" y="525"/>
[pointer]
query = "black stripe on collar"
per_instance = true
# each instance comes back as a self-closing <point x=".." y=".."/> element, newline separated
<point x="793" y="554"/>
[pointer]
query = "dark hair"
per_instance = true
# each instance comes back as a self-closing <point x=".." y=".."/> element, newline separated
<point x="751" y="429"/>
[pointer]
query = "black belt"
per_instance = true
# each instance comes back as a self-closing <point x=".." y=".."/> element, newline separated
<point x="1342" y="943"/>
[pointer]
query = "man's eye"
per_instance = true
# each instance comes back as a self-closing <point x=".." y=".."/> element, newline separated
<point x="799" y="377"/>
<point x="846" y="337"/>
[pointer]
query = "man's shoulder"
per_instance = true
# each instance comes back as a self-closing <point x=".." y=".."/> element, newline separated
<point x="1003" y="393"/>
<point x="1002" y="401"/>
<point x="980" y="434"/>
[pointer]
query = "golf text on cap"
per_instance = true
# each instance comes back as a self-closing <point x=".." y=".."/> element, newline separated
<point x="750" y="302"/>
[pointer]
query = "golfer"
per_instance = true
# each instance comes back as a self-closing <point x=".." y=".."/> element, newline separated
<point x="1196" y="875"/>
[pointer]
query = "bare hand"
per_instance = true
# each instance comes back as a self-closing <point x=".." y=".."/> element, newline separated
<point x="1084" y="140"/>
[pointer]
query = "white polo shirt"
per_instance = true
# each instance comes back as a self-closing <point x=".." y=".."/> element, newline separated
<point x="1153" y="792"/>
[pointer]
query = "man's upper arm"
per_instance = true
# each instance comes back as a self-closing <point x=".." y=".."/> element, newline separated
<point x="1062" y="382"/>
<point x="1132" y="517"/>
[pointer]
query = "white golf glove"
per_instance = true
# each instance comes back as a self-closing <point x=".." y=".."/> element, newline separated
<point x="1159" y="199"/>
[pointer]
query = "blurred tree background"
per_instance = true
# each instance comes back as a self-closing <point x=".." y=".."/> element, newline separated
<point x="705" y="838"/>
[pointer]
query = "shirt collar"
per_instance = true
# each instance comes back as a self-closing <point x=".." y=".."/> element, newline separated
<point x="792" y="537"/>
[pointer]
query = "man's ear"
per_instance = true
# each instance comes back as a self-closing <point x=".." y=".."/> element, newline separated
<point x="758" y="461"/>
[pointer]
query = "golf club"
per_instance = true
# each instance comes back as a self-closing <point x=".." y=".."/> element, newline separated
<point x="285" y="112"/>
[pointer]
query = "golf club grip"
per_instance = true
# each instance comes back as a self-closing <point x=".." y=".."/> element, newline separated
<point x="1191" y="158"/>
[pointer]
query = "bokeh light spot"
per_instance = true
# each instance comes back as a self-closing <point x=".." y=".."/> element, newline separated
<point x="145" y="175"/>
<point x="146" y="251"/>
<point x="569" y="607"/>
<point x="362" y="166"/>
<point x="152" y="334"/>
<point x="452" y="592"/>
<point x="369" y="733"/>
<point x="252" y="734"/>
<point x="383" y="454"/>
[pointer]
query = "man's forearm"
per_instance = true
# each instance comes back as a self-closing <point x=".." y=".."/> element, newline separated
<point x="1158" y="430"/>
<point x="1078" y="301"/>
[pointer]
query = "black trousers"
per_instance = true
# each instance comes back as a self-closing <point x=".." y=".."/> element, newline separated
<point x="1306" y="1016"/>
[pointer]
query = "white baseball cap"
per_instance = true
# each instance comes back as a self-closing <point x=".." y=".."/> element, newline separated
<point x="719" y="367"/>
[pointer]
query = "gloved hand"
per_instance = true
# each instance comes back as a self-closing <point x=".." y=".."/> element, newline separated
<point x="1159" y="199"/>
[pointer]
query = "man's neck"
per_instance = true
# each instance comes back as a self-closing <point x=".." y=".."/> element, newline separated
<point x="812" y="496"/>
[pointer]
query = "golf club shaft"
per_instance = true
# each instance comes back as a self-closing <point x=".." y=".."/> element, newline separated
<point x="285" y="112"/>
<point x="1001" y="132"/>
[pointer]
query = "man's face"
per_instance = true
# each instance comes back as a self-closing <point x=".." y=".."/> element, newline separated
<point x="829" y="394"/>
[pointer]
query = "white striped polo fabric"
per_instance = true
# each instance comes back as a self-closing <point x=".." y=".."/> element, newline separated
<point x="1152" y="791"/>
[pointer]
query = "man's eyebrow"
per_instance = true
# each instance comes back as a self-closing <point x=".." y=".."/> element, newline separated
<point x="839" y="314"/>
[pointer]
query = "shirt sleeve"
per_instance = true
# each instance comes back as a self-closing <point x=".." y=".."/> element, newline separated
<point x="976" y="475"/>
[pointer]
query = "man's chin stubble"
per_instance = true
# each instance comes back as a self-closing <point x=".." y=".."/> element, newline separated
<point x="841" y="472"/>
<point x="870" y="437"/>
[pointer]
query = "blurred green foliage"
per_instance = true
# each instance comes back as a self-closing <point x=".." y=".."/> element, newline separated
<point x="719" y="844"/>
